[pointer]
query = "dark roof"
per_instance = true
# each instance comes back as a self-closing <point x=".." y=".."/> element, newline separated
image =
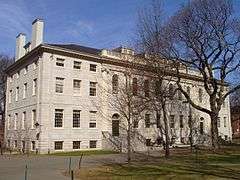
<point x="79" y="48"/>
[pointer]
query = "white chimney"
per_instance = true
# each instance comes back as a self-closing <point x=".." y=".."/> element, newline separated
<point x="20" y="43"/>
<point x="37" y="32"/>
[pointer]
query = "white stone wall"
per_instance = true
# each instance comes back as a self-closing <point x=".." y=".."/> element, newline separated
<point x="47" y="100"/>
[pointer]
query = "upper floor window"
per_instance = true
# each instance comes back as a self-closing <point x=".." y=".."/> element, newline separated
<point x="146" y="88"/>
<point x="34" y="87"/>
<point x="225" y="121"/>
<point x="135" y="86"/>
<point x="115" y="84"/>
<point x="93" y="67"/>
<point x="188" y="91"/>
<point x="15" y="121"/>
<point x="60" y="62"/>
<point x="93" y="119"/>
<point x="200" y="95"/>
<point x="10" y="96"/>
<point x="181" y="121"/>
<point x="201" y="128"/>
<point x="25" y="70"/>
<point x="147" y="120"/>
<point x="76" y="65"/>
<point x="59" y="84"/>
<point x="76" y="86"/>
<point x="24" y="90"/>
<point x="179" y="95"/>
<point x="34" y="118"/>
<point x="158" y="118"/>
<point x="171" y="91"/>
<point x="17" y="93"/>
<point x="172" y="121"/>
<point x="93" y="89"/>
<point x="218" y="122"/>
<point x="76" y="118"/>
<point x="58" y="118"/>
<point x="23" y="120"/>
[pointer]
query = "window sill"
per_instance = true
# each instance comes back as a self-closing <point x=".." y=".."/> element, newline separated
<point x="76" y="128"/>
<point x="58" y="128"/>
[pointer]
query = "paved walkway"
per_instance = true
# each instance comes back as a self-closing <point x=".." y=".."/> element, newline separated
<point x="12" y="167"/>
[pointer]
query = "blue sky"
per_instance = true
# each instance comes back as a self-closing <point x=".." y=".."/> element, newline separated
<point x="95" y="23"/>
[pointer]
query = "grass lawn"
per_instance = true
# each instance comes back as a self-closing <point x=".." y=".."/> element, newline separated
<point x="85" y="153"/>
<point x="224" y="164"/>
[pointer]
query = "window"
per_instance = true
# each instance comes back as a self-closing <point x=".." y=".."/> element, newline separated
<point x="24" y="90"/>
<point x="59" y="84"/>
<point x="218" y="122"/>
<point x="179" y="95"/>
<point x="15" y="121"/>
<point x="92" y="144"/>
<point x="171" y="91"/>
<point x="9" y="143"/>
<point x="60" y="62"/>
<point x="172" y="122"/>
<point x="148" y="142"/>
<point x="23" y="120"/>
<point x="76" y="86"/>
<point x="23" y="145"/>
<point x="76" y="65"/>
<point x="15" y="144"/>
<point x="225" y="121"/>
<point x="158" y="115"/>
<point x="34" y="87"/>
<point x="200" y="95"/>
<point x="58" y="118"/>
<point x="157" y="88"/>
<point x="93" y="89"/>
<point x="10" y="96"/>
<point x="34" y="118"/>
<point x="58" y="145"/>
<point x="181" y="121"/>
<point x="146" y="88"/>
<point x="188" y="91"/>
<point x="93" y="67"/>
<point x="9" y="121"/>
<point x="115" y="84"/>
<point x="17" y="93"/>
<point x="201" y="128"/>
<point x="76" y="144"/>
<point x="76" y="118"/>
<point x="135" y="86"/>
<point x="147" y="120"/>
<point x="25" y="70"/>
<point x="33" y="146"/>
<point x="93" y="119"/>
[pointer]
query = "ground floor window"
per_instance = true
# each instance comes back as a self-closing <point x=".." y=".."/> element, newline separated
<point x="58" y="145"/>
<point x="76" y="144"/>
<point x="92" y="144"/>
<point x="15" y="144"/>
<point x="148" y="142"/>
<point x="33" y="145"/>
<point x="9" y="143"/>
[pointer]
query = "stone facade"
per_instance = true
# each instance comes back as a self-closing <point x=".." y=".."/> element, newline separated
<point x="34" y="108"/>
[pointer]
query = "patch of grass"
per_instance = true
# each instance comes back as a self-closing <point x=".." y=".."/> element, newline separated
<point x="204" y="165"/>
<point x="85" y="153"/>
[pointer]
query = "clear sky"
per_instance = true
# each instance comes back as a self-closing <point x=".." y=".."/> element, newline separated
<point x="95" y="23"/>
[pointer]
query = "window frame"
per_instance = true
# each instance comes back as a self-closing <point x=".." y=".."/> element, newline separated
<point x="93" y="67"/>
<point x="60" y="62"/>
<point x="60" y="113"/>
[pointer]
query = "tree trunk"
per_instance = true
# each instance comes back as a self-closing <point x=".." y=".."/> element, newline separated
<point x="129" y="143"/>
<point x="214" y="130"/>
<point x="167" y="151"/>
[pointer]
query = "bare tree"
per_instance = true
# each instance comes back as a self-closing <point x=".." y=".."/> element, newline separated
<point x="119" y="95"/>
<point x="203" y="35"/>
<point x="5" y="61"/>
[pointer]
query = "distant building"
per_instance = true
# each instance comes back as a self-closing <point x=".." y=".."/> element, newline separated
<point x="235" y="118"/>
<point x="53" y="90"/>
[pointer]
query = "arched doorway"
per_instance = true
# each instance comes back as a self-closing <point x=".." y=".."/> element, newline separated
<point x="115" y="124"/>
